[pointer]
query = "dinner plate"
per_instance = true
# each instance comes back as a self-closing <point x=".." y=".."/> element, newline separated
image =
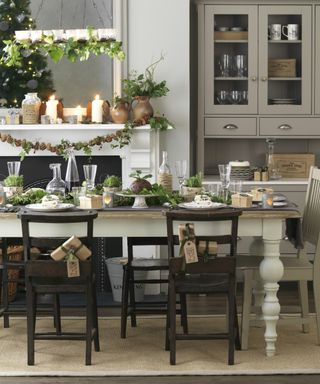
<point x="280" y="204"/>
<point x="195" y="206"/>
<point x="59" y="208"/>
<point x="279" y="198"/>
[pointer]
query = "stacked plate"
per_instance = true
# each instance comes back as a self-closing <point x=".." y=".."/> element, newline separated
<point x="283" y="101"/>
<point x="241" y="170"/>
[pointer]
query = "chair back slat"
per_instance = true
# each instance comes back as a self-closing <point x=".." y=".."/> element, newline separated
<point x="311" y="214"/>
<point x="220" y="264"/>
<point x="55" y="269"/>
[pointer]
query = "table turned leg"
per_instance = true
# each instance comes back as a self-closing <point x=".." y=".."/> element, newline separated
<point x="271" y="271"/>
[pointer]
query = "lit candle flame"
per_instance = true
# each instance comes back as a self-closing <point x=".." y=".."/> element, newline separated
<point x="97" y="97"/>
<point x="53" y="97"/>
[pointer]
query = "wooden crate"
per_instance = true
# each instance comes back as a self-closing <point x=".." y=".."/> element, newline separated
<point x="231" y="35"/>
<point x="294" y="165"/>
<point x="282" y="68"/>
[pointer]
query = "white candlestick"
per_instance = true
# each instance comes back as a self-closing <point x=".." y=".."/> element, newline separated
<point x="79" y="113"/>
<point x="97" y="110"/>
<point x="51" y="108"/>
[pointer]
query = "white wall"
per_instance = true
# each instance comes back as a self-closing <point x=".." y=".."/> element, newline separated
<point x="163" y="25"/>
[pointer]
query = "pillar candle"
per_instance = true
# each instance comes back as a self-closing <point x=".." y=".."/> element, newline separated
<point x="97" y="110"/>
<point x="51" y="108"/>
<point x="79" y="113"/>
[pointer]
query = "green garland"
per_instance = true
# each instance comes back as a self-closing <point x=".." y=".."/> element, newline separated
<point x="72" y="49"/>
<point x="119" y="139"/>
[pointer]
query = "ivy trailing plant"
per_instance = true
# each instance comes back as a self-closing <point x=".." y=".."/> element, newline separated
<point x="72" y="49"/>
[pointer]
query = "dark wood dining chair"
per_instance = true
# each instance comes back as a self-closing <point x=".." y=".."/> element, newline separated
<point x="43" y="275"/>
<point x="130" y="307"/>
<point x="215" y="275"/>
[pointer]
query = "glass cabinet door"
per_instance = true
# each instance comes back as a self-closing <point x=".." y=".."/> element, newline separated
<point x="285" y="59"/>
<point x="230" y="64"/>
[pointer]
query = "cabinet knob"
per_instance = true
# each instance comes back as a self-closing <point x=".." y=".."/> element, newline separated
<point x="254" y="78"/>
<point x="230" y="127"/>
<point x="284" y="127"/>
<point x="264" y="78"/>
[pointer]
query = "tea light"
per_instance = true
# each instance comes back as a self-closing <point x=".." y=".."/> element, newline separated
<point x="51" y="108"/>
<point x="106" y="34"/>
<point x="97" y="110"/>
<point x="58" y="34"/>
<point x="35" y="35"/>
<point x="79" y="113"/>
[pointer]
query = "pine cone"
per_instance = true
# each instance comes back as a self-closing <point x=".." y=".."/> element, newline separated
<point x="4" y="137"/>
<point x="108" y="139"/>
<point x="49" y="147"/>
<point x="36" y="146"/>
<point x="43" y="146"/>
<point x="17" y="142"/>
<point x="9" y="139"/>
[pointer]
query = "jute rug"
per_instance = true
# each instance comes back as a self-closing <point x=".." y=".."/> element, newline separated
<point x="142" y="353"/>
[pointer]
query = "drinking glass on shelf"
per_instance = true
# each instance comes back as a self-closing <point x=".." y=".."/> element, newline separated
<point x="224" y="172"/>
<point x="181" y="172"/>
<point x="75" y="193"/>
<point x="244" y="97"/>
<point x="225" y="65"/>
<point x="13" y="168"/>
<point x="240" y="65"/>
<point x="90" y="171"/>
<point x="107" y="199"/>
<point x="223" y="97"/>
<point x="235" y="97"/>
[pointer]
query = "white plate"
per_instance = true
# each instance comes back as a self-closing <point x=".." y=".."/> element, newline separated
<point x="280" y="204"/>
<point x="193" y="205"/>
<point x="59" y="208"/>
<point x="277" y="198"/>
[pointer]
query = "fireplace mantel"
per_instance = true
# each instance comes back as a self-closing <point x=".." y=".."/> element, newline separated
<point x="142" y="153"/>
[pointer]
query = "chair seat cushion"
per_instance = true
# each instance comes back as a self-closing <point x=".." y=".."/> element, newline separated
<point x="202" y="283"/>
<point x="150" y="264"/>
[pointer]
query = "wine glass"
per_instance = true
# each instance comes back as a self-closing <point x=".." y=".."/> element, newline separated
<point x="181" y="171"/>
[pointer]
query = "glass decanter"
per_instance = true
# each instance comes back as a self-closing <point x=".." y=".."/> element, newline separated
<point x="56" y="186"/>
<point x="72" y="175"/>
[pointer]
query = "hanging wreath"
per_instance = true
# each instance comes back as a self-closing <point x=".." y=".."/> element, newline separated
<point x="119" y="139"/>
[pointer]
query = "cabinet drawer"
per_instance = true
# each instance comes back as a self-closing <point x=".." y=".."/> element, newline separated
<point x="289" y="126"/>
<point x="229" y="126"/>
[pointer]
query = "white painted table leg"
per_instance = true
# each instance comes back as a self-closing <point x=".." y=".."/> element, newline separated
<point x="256" y="248"/>
<point x="271" y="271"/>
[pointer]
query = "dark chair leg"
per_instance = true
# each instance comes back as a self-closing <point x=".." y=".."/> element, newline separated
<point x="96" y="338"/>
<point x="172" y="319"/>
<point x="57" y="313"/>
<point x="184" y="318"/>
<point x="237" y="333"/>
<point x="31" y="314"/>
<point x="125" y="298"/>
<point x="5" y="293"/>
<point x="88" y="323"/>
<point x="167" y="342"/>
<point x="132" y="299"/>
<point x="231" y="325"/>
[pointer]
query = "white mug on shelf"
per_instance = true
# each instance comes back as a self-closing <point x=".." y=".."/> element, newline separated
<point x="292" y="31"/>
<point x="275" y="31"/>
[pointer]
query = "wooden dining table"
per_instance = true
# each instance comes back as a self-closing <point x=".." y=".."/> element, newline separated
<point x="266" y="225"/>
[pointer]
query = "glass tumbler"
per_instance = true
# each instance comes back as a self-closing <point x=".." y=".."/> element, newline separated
<point x="225" y="65"/>
<point x="235" y="97"/>
<point x="223" y="97"/>
<point x="90" y="171"/>
<point x="225" y="171"/>
<point x="13" y="168"/>
<point x="240" y="65"/>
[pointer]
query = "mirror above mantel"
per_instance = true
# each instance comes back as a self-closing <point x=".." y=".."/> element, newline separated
<point x="76" y="83"/>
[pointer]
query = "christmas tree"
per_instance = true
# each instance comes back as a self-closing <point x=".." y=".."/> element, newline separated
<point x="33" y="75"/>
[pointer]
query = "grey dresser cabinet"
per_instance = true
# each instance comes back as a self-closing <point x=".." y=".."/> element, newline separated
<point x="254" y="84"/>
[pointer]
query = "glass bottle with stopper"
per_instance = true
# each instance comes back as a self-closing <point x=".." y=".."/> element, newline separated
<point x="164" y="173"/>
<point x="56" y="186"/>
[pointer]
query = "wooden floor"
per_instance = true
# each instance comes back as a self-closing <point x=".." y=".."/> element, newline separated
<point x="198" y="305"/>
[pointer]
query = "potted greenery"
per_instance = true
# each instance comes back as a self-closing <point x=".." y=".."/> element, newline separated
<point x="112" y="183"/>
<point x="141" y="88"/>
<point x="191" y="187"/>
<point x="13" y="185"/>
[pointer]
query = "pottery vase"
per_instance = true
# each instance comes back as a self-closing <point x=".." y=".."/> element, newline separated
<point x="142" y="110"/>
<point x="120" y="113"/>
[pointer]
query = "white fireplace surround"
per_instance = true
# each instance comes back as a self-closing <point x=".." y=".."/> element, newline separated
<point x="142" y="153"/>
